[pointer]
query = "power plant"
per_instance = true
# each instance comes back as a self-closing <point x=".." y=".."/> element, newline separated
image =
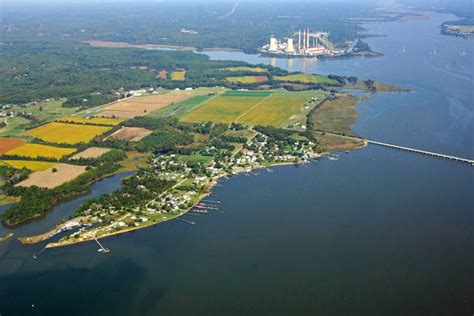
<point x="310" y="44"/>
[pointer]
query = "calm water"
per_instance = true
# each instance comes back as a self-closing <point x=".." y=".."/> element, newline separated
<point x="378" y="232"/>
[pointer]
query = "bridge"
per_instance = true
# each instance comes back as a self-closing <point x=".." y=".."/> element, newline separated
<point x="424" y="152"/>
<point x="409" y="149"/>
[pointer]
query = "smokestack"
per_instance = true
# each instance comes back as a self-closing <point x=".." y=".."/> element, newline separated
<point x="307" y="38"/>
<point x="299" y="40"/>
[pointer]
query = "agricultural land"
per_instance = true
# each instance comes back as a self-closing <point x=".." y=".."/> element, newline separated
<point x="305" y="78"/>
<point x="63" y="133"/>
<point x="91" y="121"/>
<point x="7" y="144"/>
<point x="131" y="134"/>
<point x="54" y="176"/>
<point x="247" y="79"/>
<point x="246" y="69"/>
<point x="178" y="75"/>
<point x="30" y="164"/>
<point x="140" y="106"/>
<point x="91" y="152"/>
<point x="30" y="150"/>
<point x="278" y="108"/>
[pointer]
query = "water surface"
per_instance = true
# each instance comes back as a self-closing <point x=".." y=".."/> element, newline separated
<point x="377" y="232"/>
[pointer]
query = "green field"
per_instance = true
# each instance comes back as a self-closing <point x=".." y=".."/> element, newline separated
<point x="225" y="108"/>
<point x="196" y="158"/>
<point x="232" y="93"/>
<point x="247" y="79"/>
<point x="305" y="78"/>
<point x="281" y="107"/>
<point x="256" y="108"/>
<point x="43" y="111"/>
<point x="246" y="69"/>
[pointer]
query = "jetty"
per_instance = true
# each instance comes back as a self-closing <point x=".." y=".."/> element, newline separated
<point x="102" y="249"/>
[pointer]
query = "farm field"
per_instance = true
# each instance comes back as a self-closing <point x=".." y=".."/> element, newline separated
<point x="246" y="69"/>
<point x="93" y="121"/>
<point x="279" y="108"/>
<point x="140" y="106"/>
<point x="38" y="150"/>
<point x="43" y="111"/>
<point x="64" y="133"/>
<point x="226" y="108"/>
<point x="178" y="75"/>
<point x="247" y="79"/>
<point x="305" y="78"/>
<point x="54" y="176"/>
<point x="276" y="108"/>
<point x="91" y="152"/>
<point x="131" y="134"/>
<point x="30" y="164"/>
<point x="7" y="144"/>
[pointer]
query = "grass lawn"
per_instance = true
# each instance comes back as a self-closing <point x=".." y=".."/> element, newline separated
<point x="196" y="158"/>
<point x="305" y="78"/>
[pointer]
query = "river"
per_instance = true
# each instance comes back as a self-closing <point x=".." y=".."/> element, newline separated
<point x="377" y="232"/>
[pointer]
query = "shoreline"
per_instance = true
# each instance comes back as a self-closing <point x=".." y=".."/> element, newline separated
<point x="214" y="181"/>
<point x="6" y="237"/>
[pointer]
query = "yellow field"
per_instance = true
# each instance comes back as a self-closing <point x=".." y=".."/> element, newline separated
<point x="30" y="164"/>
<point x="247" y="79"/>
<point x="64" y="133"/>
<point x="178" y="75"/>
<point x="248" y="69"/>
<point x="38" y="150"/>
<point x="94" y="120"/>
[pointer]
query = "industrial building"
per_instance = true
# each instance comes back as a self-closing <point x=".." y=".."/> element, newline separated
<point x="310" y="44"/>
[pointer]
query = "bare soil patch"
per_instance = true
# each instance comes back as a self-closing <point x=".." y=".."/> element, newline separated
<point x="54" y="176"/>
<point x="131" y="134"/>
<point x="92" y="152"/>
<point x="140" y="106"/>
<point x="7" y="144"/>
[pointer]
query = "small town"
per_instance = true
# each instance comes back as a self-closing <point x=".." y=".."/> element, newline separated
<point x="188" y="183"/>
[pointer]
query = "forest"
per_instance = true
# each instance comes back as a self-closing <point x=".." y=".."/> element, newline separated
<point x="163" y="23"/>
